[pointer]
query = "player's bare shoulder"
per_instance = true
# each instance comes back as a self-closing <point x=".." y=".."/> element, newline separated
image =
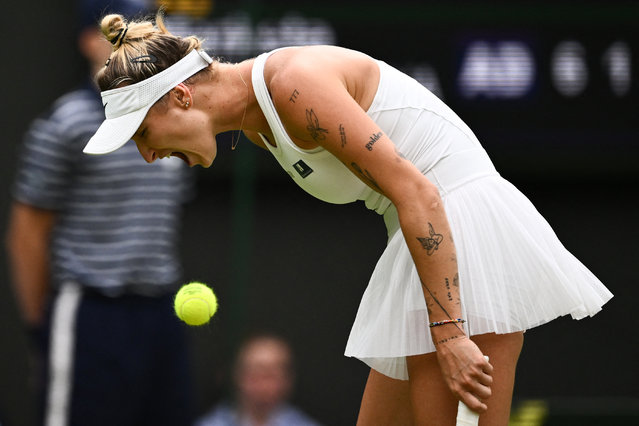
<point x="323" y="68"/>
<point x="302" y="65"/>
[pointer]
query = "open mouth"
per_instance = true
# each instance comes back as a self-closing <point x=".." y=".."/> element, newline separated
<point x="181" y="157"/>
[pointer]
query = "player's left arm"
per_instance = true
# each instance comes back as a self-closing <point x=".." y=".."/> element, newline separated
<point x="323" y="111"/>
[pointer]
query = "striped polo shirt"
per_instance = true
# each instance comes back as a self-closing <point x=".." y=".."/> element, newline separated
<point x="118" y="218"/>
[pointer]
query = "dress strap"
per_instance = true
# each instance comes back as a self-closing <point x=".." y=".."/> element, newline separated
<point x="264" y="99"/>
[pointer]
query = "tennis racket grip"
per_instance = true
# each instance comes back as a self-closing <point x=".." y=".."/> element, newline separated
<point x="466" y="416"/>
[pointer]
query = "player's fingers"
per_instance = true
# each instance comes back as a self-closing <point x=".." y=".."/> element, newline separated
<point x="473" y="375"/>
<point x="469" y="385"/>
<point x="487" y="367"/>
<point x="480" y="373"/>
<point x="485" y="379"/>
<point x="475" y="383"/>
<point x="482" y="392"/>
<point x="473" y="402"/>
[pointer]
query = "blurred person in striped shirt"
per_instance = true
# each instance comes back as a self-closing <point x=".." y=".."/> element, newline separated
<point x="93" y="252"/>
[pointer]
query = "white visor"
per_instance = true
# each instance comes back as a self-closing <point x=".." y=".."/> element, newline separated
<point x="126" y="107"/>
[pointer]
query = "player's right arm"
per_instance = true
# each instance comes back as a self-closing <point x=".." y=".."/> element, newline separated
<point x="27" y="242"/>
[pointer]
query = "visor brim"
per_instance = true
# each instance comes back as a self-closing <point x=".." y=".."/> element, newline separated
<point x="113" y="133"/>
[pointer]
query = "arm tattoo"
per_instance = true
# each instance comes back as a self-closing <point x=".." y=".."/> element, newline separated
<point x="313" y="127"/>
<point x="365" y="174"/>
<point x="448" y="339"/>
<point x="374" y="138"/>
<point x="436" y="301"/>
<point x="431" y="243"/>
<point x="432" y="296"/>
<point x="448" y="293"/>
<point x="342" y="134"/>
<point x="294" y="95"/>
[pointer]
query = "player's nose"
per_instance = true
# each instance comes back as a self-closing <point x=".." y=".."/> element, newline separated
<point x="148" y="154"/>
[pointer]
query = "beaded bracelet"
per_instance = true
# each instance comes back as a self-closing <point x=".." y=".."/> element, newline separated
<point x="450" y="321"/>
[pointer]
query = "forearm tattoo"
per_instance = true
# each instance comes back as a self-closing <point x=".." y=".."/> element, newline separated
<point x="448" y="292"/>
<point x="342" y="135"/>
<point x="313" y="127"/>
<point x="432" y="242"/>
<point x="432" y="300"/>
<point x="365" y="174"/>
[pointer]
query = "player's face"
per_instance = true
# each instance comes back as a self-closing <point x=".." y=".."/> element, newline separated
<point x="169" y="130"/>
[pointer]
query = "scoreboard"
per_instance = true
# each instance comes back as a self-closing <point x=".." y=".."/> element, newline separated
<point x="546" y="85"/>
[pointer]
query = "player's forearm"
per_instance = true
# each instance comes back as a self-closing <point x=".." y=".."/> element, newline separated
<point x="430" y="242"/>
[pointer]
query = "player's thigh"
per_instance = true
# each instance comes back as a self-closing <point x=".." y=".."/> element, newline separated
<point x="503" y="350"/>
<point x="385" y="402"/>
<point x="434" y="404"/>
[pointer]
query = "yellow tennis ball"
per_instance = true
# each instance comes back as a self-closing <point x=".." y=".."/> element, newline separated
<point x="195" y="303"/>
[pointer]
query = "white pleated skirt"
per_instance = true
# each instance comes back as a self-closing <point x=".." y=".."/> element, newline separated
<point x="514" y="273"/>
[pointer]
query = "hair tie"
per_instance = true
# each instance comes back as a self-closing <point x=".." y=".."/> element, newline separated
<point x="118" y="39"/>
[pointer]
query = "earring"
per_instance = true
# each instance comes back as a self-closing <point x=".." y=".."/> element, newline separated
<point x="187" y="104"/>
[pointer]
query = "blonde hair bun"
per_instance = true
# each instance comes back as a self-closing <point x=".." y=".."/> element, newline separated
<point x="112" y="27"/>
<point x="135" y="39"/>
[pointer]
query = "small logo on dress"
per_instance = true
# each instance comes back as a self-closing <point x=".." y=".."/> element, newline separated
<point x="302" y="168"/>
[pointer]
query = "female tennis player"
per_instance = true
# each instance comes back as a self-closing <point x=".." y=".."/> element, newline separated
<point x="470" y="264"/>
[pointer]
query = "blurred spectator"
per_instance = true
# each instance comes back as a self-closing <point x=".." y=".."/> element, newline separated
<point x="92" y="245"/>
<point x="263" y="380"/>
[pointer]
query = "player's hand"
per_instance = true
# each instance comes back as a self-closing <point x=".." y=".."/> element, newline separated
<point x="466" y="372"/>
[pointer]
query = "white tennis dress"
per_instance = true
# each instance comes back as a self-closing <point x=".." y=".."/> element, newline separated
<point x="514" y="273"/>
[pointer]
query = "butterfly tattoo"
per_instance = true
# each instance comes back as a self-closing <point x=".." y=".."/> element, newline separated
<point x="431" y="243"/>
